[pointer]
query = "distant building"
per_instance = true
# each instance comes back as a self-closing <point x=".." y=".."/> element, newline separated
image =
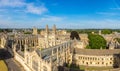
<point x="35" y="32"/>
<point x="53" y="48"/>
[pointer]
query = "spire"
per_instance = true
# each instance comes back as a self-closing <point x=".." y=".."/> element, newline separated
<point x="47" y="30"/>
<point x="54" y="29"/>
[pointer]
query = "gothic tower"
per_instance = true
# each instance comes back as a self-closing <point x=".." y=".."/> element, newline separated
<point x="34" y="31"/>
<point x="54" y="29"/>
<point x="47" y="36"/>
<point x="47" y="30"/>
<point x="54" y="35"/>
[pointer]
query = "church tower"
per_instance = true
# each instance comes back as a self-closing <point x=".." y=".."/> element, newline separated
<point x="54" y="35"/>
<point x="54" y="29"/>
<point x="47" y="30"/>
<point x="47" y="36"/>
<point x="35" y="31"/>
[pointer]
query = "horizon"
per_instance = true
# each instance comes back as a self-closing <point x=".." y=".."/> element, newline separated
<point x="67" y="14"/>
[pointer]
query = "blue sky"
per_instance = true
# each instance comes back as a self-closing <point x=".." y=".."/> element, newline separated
<point x="77" y="14"/>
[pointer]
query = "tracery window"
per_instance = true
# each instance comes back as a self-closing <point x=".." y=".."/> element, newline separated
<point x="44" y="68"/>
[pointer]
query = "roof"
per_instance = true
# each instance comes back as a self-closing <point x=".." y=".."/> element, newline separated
<point x="97" y="51"/>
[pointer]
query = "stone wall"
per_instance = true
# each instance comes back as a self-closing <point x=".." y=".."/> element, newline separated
<point x="21" y="60"/>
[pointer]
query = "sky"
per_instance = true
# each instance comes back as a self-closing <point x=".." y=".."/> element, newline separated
<point x="73" y="14"/>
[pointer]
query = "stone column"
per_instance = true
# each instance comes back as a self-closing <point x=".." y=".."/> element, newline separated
<point x="25" y="47"/>
<point x="20" y="45"/>
<point x="57" y="58"/>
<point x="52" y="52"/>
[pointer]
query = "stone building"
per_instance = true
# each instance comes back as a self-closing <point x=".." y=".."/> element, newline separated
<point x="3" y="39"/>
<point x="35" y="32"/>
<point x="48" y="59"/>
<point x="53" y="48"/>
<point x="96" y="57"/>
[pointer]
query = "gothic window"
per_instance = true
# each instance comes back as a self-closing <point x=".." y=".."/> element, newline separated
<point x="106" y="64"/>
<point x="27" y="60"/>
<point x="35" y="65"/>
<point x="44" y="68"/>
<point x="98" y="63"/>
<point x="90" y="62"/>
<point x="83" y="62"/>
<point x="87" y="63"/>
<point x="88" y="58"/>
<point x="110" y="58"/>
<point x="102" y="62"/>
<point x="110" y="62"/>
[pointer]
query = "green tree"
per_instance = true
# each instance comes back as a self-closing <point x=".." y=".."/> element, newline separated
<point x="27" y="33"/>
<point x="106" y="31"/>
<point x="96" y="42"/>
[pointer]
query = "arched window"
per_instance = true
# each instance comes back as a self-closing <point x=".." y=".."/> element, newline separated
<point x="110" y="62"/>
<point x="102" y="62"/>
<point x="87" y="63"/>
<point x="110" y="58"/>
<point x="83" y="62"/>
<point x="44" y="68"/>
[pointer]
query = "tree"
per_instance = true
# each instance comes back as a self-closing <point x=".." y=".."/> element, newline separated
<point x="106" y="31"/>
<point x="74" y="35"/>
<point x="27" y="33"/>
<point x="96" y="42"/>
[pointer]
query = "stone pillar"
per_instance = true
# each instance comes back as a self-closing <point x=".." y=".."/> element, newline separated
<point x="25" y="47"/>
<point x="51" y="62"/>
<point x="63" y="53"/>
<point x="20" y="45"/>
<point x="57" y="57"/>
<point x="31" y="61"/>
<point x="14" y="48"/>
<point x="52" y="52"/>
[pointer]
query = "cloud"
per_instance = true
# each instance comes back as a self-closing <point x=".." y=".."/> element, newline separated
<point x="108" y="13"/>
<point x="12" y="3"/>
<point x="22" y="6"/>
<point x="115" y="8"/>
<point x="36" y="10"/>
<point x="92" y="24"/>
<point x="51" y="18"/>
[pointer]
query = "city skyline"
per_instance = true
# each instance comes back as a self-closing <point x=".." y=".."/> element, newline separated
<point x="74" y="14"/>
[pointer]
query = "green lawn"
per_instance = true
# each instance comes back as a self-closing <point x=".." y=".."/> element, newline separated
<point x="3" y="66"/>
<point x="95" y="68"/>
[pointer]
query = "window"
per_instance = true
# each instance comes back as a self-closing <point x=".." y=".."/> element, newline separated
<point x="102" y="62"/>
<point x="90" y="62"/>
<point x="44" y="68"/>
<point x="87" y="63"/>
<point x="83" y="62"/>
<point x="110" y="62"/>
<point x="110" y="58"/>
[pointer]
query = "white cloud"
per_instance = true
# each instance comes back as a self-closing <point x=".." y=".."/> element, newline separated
<point x="51" y="18"/>
<point x="91" y="24"/>
<point x="12" y="3"/>
<point x="108" y="13"/>
<point x="36" y="10"/>
<point x="22" y="6"/>
<point x="115" y="8"/>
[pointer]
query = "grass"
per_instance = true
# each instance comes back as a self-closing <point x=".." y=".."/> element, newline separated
<point x="95" y="68"/>
<point x="3" y="66"/>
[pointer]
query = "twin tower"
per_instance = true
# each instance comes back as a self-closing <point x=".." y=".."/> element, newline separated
<point x="35" y="32"/>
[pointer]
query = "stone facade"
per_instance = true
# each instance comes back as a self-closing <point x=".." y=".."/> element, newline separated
<point x="3" y="40"/>
<point x="46" y="60"/>
<point x="53" y="48"/>
<point x="96" y="57"/>
<point x="35" y="32"/>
